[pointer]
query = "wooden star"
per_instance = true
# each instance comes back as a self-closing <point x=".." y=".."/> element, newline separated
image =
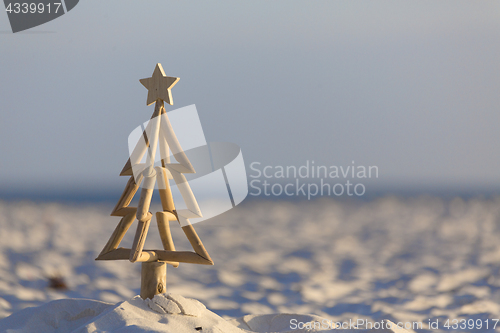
<point x="159" y="86"/>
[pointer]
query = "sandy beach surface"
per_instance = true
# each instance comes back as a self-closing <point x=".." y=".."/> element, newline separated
<point x="415" y="260"/>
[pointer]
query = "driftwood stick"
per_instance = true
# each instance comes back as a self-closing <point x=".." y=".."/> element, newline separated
<point x="127" y="195"/>
<point x="164" y="150"/>
<point x="168" y="216"/>
<point x="140" y="148"/>
<point x="124" y="254"/>
<point x="174" y="145"/>
<point x="162" y="219"/>
<point x="170" y="257"/>
<point x="125" y="211"/>
<point x="149" y="172"/>
<point x="119" y="232"/>
<point x="117" y="254"/>
<point x="144" y="203"/>
<point x="182" y="256"/>
<point x="187" y="193"/>
<point x="153" y="279"/>
<point x="154" y="136"/>
<point x="152" y="256"/>
<point x="167" y="201"/>
<point x="139" y="239"/>
<point x="196" y="243"/>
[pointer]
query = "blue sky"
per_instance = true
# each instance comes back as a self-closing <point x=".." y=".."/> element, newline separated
<point x="412" y="87"/>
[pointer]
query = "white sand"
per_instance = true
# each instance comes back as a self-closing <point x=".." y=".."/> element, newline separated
<point x="402" y="260"/>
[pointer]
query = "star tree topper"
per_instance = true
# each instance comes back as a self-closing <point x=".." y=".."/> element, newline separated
<point x="159" y="86"/>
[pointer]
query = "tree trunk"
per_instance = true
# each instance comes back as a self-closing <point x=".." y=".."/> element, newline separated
<point x="153" y="279"/>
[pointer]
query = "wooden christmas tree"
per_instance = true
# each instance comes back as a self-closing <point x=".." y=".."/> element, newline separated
<point x="158" y="132"/>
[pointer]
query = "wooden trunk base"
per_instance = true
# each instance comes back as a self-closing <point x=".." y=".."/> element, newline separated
<point x="153" y="279"/>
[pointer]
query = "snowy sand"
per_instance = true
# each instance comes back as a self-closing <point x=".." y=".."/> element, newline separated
<point x="406" y="260"/>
